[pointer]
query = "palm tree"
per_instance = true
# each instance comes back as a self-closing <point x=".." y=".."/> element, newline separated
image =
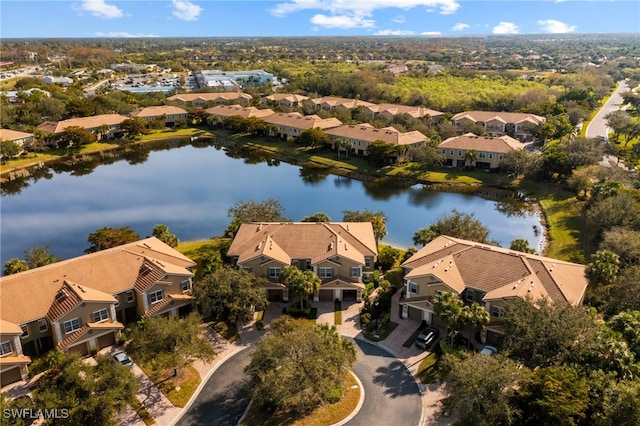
<point x="300" y="283"/>
<point x="450" y="308"/>
<point x="342" y="144"/>
<point x="102" y="130"/>
<point x="470" y="157"/>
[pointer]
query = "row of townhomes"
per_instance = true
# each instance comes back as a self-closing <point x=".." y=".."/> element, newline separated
<point x="82" y="304"/>
<point x="499" y="123"/>
<point x="342" y="254"/>
<point x="488" y="275"/>
<point x="490" y="150"/>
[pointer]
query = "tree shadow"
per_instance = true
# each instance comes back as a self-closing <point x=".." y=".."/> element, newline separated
<point x="396" y="380"/>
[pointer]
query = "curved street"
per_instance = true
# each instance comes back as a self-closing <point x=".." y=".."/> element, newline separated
<point x="598" y="126"/>
<point x="391" y="394"/>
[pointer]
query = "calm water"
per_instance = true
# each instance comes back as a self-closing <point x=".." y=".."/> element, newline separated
<point x="190" y="190"/>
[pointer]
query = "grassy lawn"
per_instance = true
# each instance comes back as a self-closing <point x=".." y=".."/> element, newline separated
<point x="177" y="389"/>
<point x="321" y="416"/>
<point x="428" y="369"/>
<point x="337" y="313"/>
<point x="143" y="413"/>
<point x="382" y="333"/>
<point x="172" y="133"/>
<point x="228" y="331"/>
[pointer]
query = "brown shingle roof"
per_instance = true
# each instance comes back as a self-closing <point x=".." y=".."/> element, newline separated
<point x="12" y="135"/>
<point x="87" y="329"/>
<point x="289" y="97"/>
<point x="230" y="110"/>
<point x="469" y="141"/>
<point x="157" y="111"/>
<point x="369" y="133"/>
<point x="84" y="122"/>
<point x="414" y="111"/>
<point x="299" y="121"/>
<point x="210" y="97"/>
<point x="499" y="272"/>
<point x="506" y="117"/>
<point x="333" y="101"/>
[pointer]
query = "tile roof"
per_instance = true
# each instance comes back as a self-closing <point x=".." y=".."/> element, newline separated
<point x="414" y="111"/>
<point x="87" y="329"/>
<point x="369" y="133"/>
<point x="304" y="240"/>
<point x="14" y="360"/>
<point x="469" y="141"/>
<point x="157" y="307"/>
<point x="157" y="111"/>
<point x="210" y="97"/>
<point x="7" y="327"/>
<point x="506" y="117"/>
<point x="109" y="271"/>
<point x="229" y="110"/>
<point x="289" y="97"/>
<point x="498" y="272"/>
<point x="300" y="121"/>
<point x="84" y="122"/>
<point x="11" y="135"/>
<point x="333" y="101"/>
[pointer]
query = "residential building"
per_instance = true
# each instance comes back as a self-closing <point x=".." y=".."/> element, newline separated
<point x="331" y="102"/>
<point x="489" y="151"/>
<point x="291" y="125"/>
<point x="13" y="363"/>
<point x="361" y="135"/>
<point x="342" y="254"/>
<point x="20" y="138"/>
<point x="82" y="304"/>
<point x="17" y="96"/>
<point x="224" y="111"/>
<point x="514" y="124"/>
<point x="60" y="81"/>
<point x="167" y="113"/>
<point x="104" y="126"/>
<point x="287" y="100"/>
<point x="395" y="109"/>
<point x="488" y="275"/>
<point x="216" y="98"/>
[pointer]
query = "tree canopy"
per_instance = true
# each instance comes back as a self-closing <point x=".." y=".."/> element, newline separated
<point x="269" y="210"/>
<point x="458" y="225"/>
<point x="108" y="237"/>
<point x="378" y="220"/>
<point x="300" y="283"/>
<point x="162" y="233"/>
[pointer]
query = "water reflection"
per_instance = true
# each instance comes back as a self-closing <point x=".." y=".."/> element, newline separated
<point x="313" y="174"/>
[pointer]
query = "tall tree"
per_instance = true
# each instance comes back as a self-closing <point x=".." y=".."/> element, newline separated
<point x="37" y="256"/>
<point x="317" y="217"/>
<point x="603" y="268"/>
<point x="169" y="343"/>
<point x="230" y="294"/>
<point x="15" y="265"/>
<point x="162" y="233"/>
<point x="300" y="283"/>
<point x="269" y="210"/>
<point x="520" y="244"/>
<point x="299" y="366"/>
<point x="108" y="237"/>
<point x="457" y="225"/>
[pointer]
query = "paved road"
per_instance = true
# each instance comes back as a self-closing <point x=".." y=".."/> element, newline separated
<point x="598" y="127"/>
<point x="391" y="394"/>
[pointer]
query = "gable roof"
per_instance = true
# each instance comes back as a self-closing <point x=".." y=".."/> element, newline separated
<point x="370" y="134"/>
<point x="100" y="274"/>
<point x="156" y="111"/>
<point x="84" y="122"/>
<point x="414" y="111"/>
<point x="506" y="117"/>
<point x="230" y="110"/>
<point x="470" y="141"/>
<point x="210" y="97"/>
<point x="12" y="135"/>
<point x="299" y="121"/>
<point x="333" y="101"/>
<point x="499" y="272"/>
<point x="289" y="97"/>
<point x="284" y="241"/>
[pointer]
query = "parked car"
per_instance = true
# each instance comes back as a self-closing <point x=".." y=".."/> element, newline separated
<point x="427" y="337"/>
<point x="489" y="350"/>
<point x="123" y="359"/>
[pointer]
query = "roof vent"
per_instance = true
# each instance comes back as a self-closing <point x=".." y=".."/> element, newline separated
<point x="259" y="246"/>
<point x="259" y="228"/>
<point x="330" y="246"/>
<point x="81" y="289"/>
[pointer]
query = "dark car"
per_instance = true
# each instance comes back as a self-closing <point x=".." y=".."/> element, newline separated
<point x="427" y="337"/>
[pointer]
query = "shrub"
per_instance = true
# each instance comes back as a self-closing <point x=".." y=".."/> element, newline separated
<point x="122" y="339"/>
<point x="372" y="326"/>
<point x="334" y="395"/>
<point x="365" y="319"/>
<point x="386" y="318"/>
<point x="260" y="325"/>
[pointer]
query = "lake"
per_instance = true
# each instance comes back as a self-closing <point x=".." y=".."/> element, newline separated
<point x="190" y="189"/>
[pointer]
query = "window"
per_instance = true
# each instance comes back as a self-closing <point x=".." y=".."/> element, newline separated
<point x="42" y="325"/>
<point x="355" y="271"/>
<point x="444" y="151"/>
<point x="490" y="155"/>
<point x="496" y="312"/>
<point x="5" y="348"/>
<point x="101" y="315"/>
<point x="184" y="285"/>
<point x="325" y="272"/>
<point x="413" y="288"/>
<point x="482" y="154"/>
<point x="130" y="297"/>
<point x="451" y="152"/>
<point x="439" y="292"/>
<point x="156" y="296"/>
<point x="274" y="272"/>
<point x="71" y="325"/>
<point x="500" y="157"/>
<point x="25" y="330"/>
<point x="470" y="294"/>
<point x="459" y="153"/>
<point x="368" y="261"/>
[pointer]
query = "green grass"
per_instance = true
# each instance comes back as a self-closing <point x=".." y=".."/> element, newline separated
<point x="428" y="369"/>
<point x="337" y="313"/>
<point x="226" y="330"/>
<point x="172" y="133"/>
<point x="382" y="333"/>
<point x="178" y="390"/>
<point x="143" y="413"/>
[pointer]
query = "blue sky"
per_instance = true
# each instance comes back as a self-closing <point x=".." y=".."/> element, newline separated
<point x="209" y="18"/>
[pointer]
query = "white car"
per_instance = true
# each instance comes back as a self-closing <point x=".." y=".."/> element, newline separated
<point x="488" y="350"/>
<point x="123" y="359"/>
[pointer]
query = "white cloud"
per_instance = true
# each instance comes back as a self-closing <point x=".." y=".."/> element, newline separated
<point x="361" y="9"/>
<point x="123" y="34"/>
<point x="100" y="9"/>
<point x="185" y="10"/>
<point x="506" y="28"/>
<point x="342" y="21"/>
<point x="431" y="33"/>
<point x="394" y="32"/>
<point x="553" y="26"/>
<point x="399" y="19"/>
<point x="460" y="26"/>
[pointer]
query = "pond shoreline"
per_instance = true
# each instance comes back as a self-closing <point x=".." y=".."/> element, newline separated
<point x="115" y="152"/>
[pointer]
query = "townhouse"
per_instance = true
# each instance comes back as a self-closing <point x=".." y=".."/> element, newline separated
<point x="514" y="124"/>
<point x="395" y="109"/>
<point x="488" y="275"/>
<point x="20" y="138"/>
<point x="361" y="135"/>
<point x="166" y="113"/>
<point x="291" y="125"/>
<point x="223" y="111"/>
<point x="206" y="99"/>
<point x="481" y="152"/>
<point x="330" y="102"/>
<point x="287" y="100"/>
<point x="82" y="304"/>
<point x="342" y="254"/>
<point x="104" y="126"/>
